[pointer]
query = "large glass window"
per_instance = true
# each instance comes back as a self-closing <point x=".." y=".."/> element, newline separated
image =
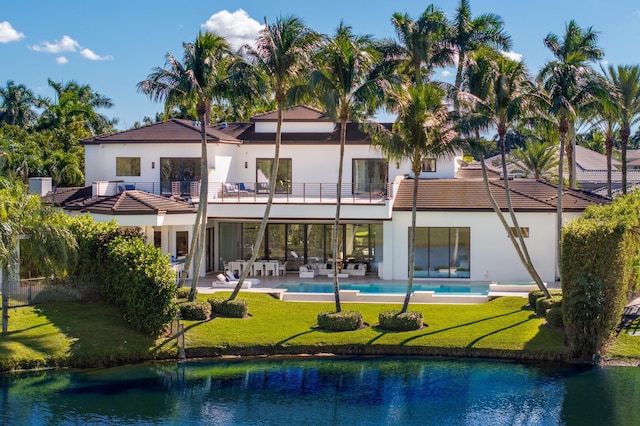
<point x="179" y="171"/>
<point x="264" y="167"/>
<point x="127" y="166"/>
<point x="442" y="252"/>
<point x="369" y="175"/>
<point x="360" y="243"/>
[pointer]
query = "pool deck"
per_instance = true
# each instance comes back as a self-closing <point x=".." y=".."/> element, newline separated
<point x="269" y="285"/>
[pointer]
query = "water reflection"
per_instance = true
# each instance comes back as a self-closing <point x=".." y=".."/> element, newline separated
<point x="329" y="391"/>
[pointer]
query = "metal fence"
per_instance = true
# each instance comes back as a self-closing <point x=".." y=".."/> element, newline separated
<point x="40" y="290"/>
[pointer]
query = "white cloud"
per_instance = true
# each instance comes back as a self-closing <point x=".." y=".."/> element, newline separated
<point x="604" y="62"/>
<point x="89" y="54"/>
<point x="512" y="55"/>
<point x="62" y="60"/>
<point x="237" y="27"/>
<point x="636" y="13"/>
<point x="67" y="44"/>
<point x="8" y="34"/>
<point x="445" y="73"/>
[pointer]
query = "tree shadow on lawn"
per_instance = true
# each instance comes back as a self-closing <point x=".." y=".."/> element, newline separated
<point x="96" y="329"/>
<point x="429" y="333"/>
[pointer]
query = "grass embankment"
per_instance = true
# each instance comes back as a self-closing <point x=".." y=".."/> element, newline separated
<point x="94" y="334"/>
<point x="626" y="347"/>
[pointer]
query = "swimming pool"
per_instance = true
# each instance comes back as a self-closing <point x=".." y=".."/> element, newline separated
<point x="388" y="288"/>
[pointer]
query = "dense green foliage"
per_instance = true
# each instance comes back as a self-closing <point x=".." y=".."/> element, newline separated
<point x="183" y="293"/>
<point x="543" y="304"/>
<point x="340" y="321"/>
<point x="135" y="276"/>
<point x="400" y="321"/>
<point x="554" y="317"/>
<point x="601" y="255"/>
<point x="195" y="311"/>
<point x="536" y="294"/>
<point x="141" y="283"/>
<point x="236" y="308"/>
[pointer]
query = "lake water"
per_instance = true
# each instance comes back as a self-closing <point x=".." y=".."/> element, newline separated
<point x="369" y="391"/>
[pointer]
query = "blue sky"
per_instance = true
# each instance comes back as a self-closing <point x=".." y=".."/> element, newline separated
<point x="112" y="45"/>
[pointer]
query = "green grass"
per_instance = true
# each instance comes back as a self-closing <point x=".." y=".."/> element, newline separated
<point x="626" y="346"/>
<point x="94" y="333"/>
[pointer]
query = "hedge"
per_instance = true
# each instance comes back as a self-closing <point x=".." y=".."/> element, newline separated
<point x="196" y="311"/>
<point x="396" y="321"/>
<point x="340" y="321"/>
<point x="600" y="258"/>
<point x="236" y="308"/>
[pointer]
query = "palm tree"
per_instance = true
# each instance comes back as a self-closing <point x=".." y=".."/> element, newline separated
<point x="625" y="80"/>
<point x="469" y="34"/>
<point x="76" y="104"/>
<point x="500" y="94"/>
<point x="347" y="86"/>
<point x="204" y="76"/>
<point x="24" y="216"/>
<point x="537" y="160"/>
<point x="423" y="129"/>
<point x="17" y="104"/>
<point x="606" y="120"/>
<point x="283" y="51"/>
<point x="422" y="44"/>
<point x="569" y="84"/>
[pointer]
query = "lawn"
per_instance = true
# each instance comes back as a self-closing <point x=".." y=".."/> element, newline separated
<point x="94" y="334"/>
<point x="626" y="346"/>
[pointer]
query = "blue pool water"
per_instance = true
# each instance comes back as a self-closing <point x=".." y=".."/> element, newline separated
<point x="360" y="391"/>
<point x="388" y="288"/>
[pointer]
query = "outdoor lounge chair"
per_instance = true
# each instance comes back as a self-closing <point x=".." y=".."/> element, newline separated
<point x="241" y="187"/>
<point x="232" y="190"/>
<point x="224" y="281"/>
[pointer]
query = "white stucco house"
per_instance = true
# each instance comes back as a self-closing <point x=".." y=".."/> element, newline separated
<point x="149" y="177"/>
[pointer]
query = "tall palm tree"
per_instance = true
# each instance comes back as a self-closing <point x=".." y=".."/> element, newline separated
<point x="625" y="80"/>
<point x="469" y="34"/>
<point x="347" y="86"/>
<point x="423" y="43"/>
<point x="204" y="76"/>
<point x="570" y="84"/>
<point x="423" y="128"/>
<point x="17" y="105"/>
<point x="605" y="118"/>
<point x="283" y="51"/>
<point x="500" y="94"/>
<point x="24" y="216"/>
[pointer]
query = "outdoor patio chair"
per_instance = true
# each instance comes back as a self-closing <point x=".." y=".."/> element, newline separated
<point x="241" y="187"/>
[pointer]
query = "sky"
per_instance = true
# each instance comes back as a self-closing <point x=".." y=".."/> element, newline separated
<point x="113" y="45"/>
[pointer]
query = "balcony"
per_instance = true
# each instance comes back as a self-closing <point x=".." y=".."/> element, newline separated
<point x="258" y="192"/>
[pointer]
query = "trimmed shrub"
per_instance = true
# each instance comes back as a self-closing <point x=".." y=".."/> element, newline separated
<point x="197" y="311"/>
<point x="534" y="295"/>
<point x="340" y="321"/>
<point x="554" y="316"/>
<point x="543" y="304"/>
<point x="396" y="321"/>
<point x="183" y="292"/>
<point x="236" y="308"/>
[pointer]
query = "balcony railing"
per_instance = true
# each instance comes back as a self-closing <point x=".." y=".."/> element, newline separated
<point x="258" y="192"/>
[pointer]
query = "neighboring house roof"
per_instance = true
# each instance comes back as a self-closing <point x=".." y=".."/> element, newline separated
<point x="296" y="113"/>
<point x="587" y="159"/>
<point x="172" y="131"/>
<point x="66" y="195"/>
<point x="527" y="195"/>
<point x="132" y="203"/>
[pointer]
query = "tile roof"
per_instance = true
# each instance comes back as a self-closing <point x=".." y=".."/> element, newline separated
<point x="527" y="195"/>
<point x="296" y="113"/>
<point x="66" y="195"/>
<point x="587" y="159"/>
<point x="132" y="203"/>
<point x="171" y="131"/>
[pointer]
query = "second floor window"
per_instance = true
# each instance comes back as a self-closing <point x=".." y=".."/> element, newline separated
<point x="127" y="166"/>
<point x="429" y="165"/>
<point x="283" y="176"/>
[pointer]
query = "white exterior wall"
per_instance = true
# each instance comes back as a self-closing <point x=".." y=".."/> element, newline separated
<point x="295" y="127"/>
<point x="492" y="256"/>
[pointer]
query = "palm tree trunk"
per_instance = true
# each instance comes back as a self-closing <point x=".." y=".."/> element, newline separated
<point x="563" y="136"/>
<point x="609" y="150"/>
<point x="624" y="138"/>
<point x="412" y="236"/>
<point x="496" y="209"/>
<point x="267" y="209"/>
<point x="336" y="223"/>
<point x="523" y="252"/>
<point x="571" y="155"/>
